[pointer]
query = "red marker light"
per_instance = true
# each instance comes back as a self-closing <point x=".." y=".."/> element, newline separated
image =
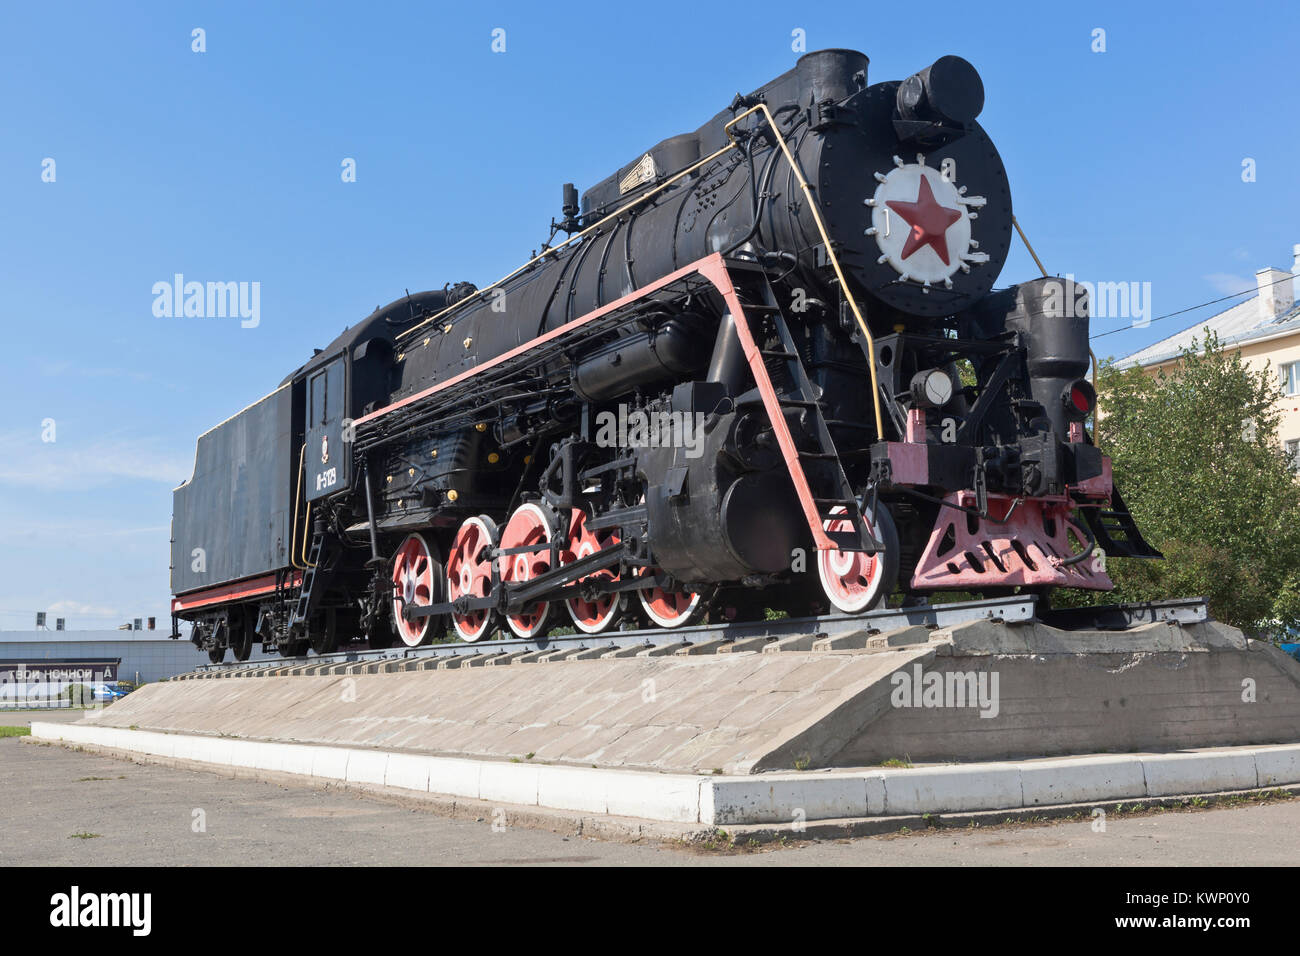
<point x="1079" y="399"/>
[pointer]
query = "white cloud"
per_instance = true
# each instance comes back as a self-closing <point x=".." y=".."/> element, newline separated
<point x="68" y="608"/>
<point x="68" y="463"/>
<point x="76" y="530"/>
<point x="1225" y="283"/>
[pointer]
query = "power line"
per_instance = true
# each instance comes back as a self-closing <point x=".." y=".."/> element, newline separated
<point x="1193" y="308"/>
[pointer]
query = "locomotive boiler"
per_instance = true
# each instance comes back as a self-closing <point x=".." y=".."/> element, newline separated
<point x="765" y="369"/>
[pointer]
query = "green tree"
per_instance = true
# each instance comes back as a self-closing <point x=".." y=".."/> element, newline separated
<point x="1197" y="459"/>
<point x="79" y="695"/>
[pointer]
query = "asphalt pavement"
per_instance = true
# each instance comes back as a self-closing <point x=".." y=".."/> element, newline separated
<point x="64" y="807"/>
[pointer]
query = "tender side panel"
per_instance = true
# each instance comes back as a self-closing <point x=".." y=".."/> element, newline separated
<point x="232" y="519"/>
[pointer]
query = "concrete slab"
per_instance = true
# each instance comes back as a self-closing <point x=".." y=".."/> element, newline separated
<point x="799" y="642"/>
<point x="633" y="650"/>
<point x="853" y="641"/>
<point x="585" y="653"/>
<point x="702" y="647"/>
<point x="745" y="645"/>
<point x="532" y="657"/>
<point x="663" y="650"/>
<point x="902" y="637"/>
<point x="502" y="659"/>
<point x="482" y="660"/>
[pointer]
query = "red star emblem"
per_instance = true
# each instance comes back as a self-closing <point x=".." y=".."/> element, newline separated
<point x="929" y="221"/>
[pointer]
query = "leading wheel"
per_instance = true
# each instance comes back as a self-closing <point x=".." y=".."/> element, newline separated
<point x="417" y="582"/>
<point x="469" y="574"/>
<point x="855" y="581"/>
<point x="531" y="527"/>
<point x="671" y="608"/>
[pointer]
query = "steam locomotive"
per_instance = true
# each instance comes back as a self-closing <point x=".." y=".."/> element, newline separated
<point x="764" y="369"/>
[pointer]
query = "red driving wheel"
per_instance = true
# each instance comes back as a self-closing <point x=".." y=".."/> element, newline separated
<point x="416" y="576"/>
<point x="531" y="526"/>
<point x="469" y="574"/>
<point x="605" y="610"/>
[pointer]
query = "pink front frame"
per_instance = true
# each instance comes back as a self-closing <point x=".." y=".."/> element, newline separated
<point x="1029" y="549"/>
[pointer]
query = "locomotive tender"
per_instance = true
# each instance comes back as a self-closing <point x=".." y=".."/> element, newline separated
<point x="766" y="369"/>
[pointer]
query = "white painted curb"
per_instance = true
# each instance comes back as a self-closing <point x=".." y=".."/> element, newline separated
<point x="732" y="800"/>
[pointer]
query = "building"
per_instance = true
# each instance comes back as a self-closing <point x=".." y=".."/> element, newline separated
<point x="143" y="655"/>
<point x="1264" y="328"/>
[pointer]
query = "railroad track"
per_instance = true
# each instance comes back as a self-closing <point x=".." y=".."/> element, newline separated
<point x="708" y="637"/>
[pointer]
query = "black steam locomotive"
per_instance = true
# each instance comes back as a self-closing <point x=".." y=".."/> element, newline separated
<point x="765" y="369"/>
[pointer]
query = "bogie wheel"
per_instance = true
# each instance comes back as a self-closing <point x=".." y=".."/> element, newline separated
<point x="604" y="611"/>
<point x="531" y="526"/>
<point x="671" y="608"/>
<point x="417" y="582"/>
<point x="855" y="581"/>
<point x="220" y="630"/>
<point x="241" y="637"/>
<point x="469" y="574"/>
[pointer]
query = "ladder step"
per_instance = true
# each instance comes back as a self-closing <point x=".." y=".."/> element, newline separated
<point x="847" y="540"/>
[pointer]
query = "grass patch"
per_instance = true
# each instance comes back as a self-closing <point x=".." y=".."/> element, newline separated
<point x="15" y="731"/>
<point x="84" y="835"/>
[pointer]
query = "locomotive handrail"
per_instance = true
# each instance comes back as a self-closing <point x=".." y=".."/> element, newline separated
<point x="293" y="528"/>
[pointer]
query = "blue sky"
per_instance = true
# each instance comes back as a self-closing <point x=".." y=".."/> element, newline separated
<point x="225" y="166"/>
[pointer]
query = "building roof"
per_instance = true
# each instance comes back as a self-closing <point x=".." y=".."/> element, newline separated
<point x="1234" y="326"/>
<point x="56" y="637"/>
